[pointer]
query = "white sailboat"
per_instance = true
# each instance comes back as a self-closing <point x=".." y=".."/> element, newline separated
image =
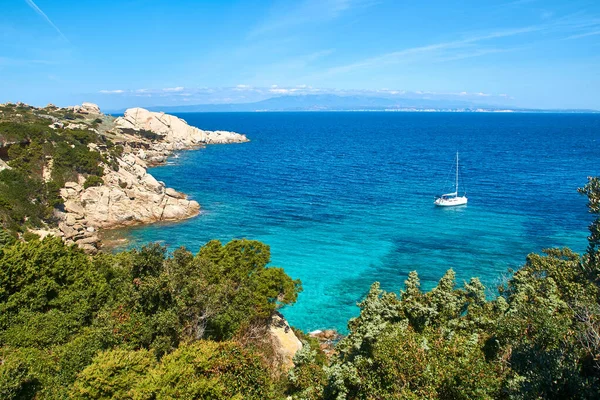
<point x="451" y="199"/>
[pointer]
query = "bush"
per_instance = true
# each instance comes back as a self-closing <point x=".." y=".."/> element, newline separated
<point x="143" y="133"/>
<point x="209" y="370"/>
<point x="24" y="202"/>
<point x="29" y="236"/>
<point x="113" y="375"/>
<point x="95" y="314"/>
<point x="93" y="180"/>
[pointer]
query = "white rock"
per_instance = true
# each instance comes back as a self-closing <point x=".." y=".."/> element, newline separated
<point x="174" y="130"/>
<point x="90" y="108"/>
<point x="285" y="342"/>
<point x="74" y="207"/>
<point x="174" y="193"/>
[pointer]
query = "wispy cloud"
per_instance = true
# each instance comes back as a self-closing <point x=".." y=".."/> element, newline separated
<point x="174" y="89"/>
<point x="171" y="90"/>
<point x="43" y="14"/>
<point x="586" y="34"/>
<point x="438" y="49"/>
<point x="22" y="61"/>
<point x="472" y="45"/>
<point x="291" y="14"/>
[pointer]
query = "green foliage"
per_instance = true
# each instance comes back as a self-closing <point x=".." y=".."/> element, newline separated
<point x="92" y="180"/>
<point x="592" y="263"/>
<point x="6" y="238"/>
<point x="208" y="370"/>
<point x="143" y="133"/>
<point x="113" y="375"/>
<point x="70" y="159"/>
<point x="307" y="379"/>
<point x="538" y="339"/>
<point x="25" y="201"/>
<point x="202" y="370"/>
<point x="60" y="308"/>
<point x="21" y="373"/>
<point x="11" y="131"/>
<point x="415" y="347"/>
<point x="48" y="292"/>
<point x="27" y="196"/>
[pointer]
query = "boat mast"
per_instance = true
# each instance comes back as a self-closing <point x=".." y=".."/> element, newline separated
<point x="456" y="188"/>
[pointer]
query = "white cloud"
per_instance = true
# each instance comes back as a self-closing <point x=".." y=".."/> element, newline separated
<point x="174" y="89"/>
<point x="233" y="94"/>
<point x="280" y="90"/>
<point x="38" y="10"/>
<point x="118" y="91"/>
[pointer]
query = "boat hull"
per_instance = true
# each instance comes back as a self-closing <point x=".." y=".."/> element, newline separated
<point x="453" y="202"/>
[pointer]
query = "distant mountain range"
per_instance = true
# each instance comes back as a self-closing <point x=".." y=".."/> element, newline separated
<point x="332" y="102"/>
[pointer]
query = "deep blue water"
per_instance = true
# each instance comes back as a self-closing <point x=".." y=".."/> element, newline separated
<point x="345" y="199"/>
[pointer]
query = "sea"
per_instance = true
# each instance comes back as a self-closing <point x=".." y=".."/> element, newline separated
<point x="345" y="199"/>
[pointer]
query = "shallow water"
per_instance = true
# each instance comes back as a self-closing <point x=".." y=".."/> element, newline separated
<point x="345" y="199"/>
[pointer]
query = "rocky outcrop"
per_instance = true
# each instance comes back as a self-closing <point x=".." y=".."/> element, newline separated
<point x="176" y="133"/>
<point x="327" y="340"/>
<point x="284" y="341"/>
<point x="130" y="195"/>
<point x="86" y="108"/>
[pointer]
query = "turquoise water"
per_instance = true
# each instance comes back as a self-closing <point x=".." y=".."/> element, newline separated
<point x="345" y="199"/>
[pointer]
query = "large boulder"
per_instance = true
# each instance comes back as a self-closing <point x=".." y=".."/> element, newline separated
<point x="90" y="108"/>
<point x="175" y="131"/>
<point x="284" y="341"/>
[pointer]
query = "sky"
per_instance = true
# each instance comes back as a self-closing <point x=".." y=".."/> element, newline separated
<point x="525" y="53"/>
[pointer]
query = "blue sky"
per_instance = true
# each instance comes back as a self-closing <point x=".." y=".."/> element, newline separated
<point x="530" y="53"/>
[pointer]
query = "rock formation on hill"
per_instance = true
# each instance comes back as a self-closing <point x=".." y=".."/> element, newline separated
<point x="175" y="131"/>
<point x="128" y="194"/>
<point x="283" y="340"/>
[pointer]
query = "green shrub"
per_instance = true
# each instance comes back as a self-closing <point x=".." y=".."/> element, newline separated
<point x="113" y="375"/>
<point x="58" y="301"/>
<point x="29" y="236"/>
<point x="143" y="133"/>
<point x="24" y="201"/>
<point x="93" y="180"/>
<point x="208" y="370"/>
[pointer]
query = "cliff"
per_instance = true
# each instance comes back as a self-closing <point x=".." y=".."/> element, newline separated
<point x="98" y="162"/>
<point x="129" y="195"/>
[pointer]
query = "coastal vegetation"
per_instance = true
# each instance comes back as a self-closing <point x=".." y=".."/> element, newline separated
<point x="146" y="324"/>
<point x="151" y="323"/>
<point x="138" y="324"/>
<point x="39" y="154"/>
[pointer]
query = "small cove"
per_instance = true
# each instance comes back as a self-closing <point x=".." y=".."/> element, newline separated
<point x="345" y="199"/>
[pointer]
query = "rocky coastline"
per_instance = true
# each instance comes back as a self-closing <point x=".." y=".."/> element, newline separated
<point x="128" y="194"/>
<point x="107" y="184"/>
